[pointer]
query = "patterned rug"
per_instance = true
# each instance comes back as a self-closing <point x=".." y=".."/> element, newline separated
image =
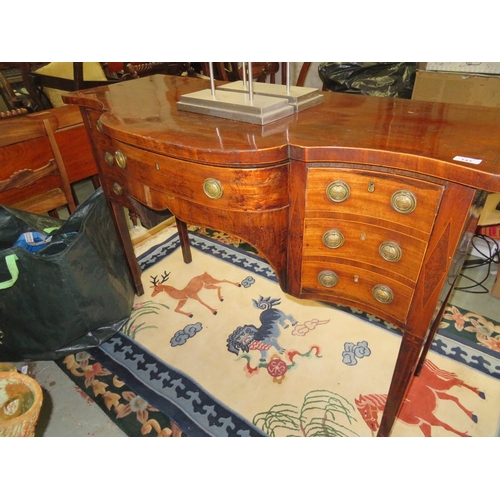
<point x="215" y="348"/>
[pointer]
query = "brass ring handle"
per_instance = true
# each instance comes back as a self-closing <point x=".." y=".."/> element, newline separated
<point x="333" y="238"/>
<point x="383" y="294"/>
<point x="98" y="126"/>
<point x="404" y="201"/>
<point x="338" y="191"/>
<point x="390" y="251"/>
<point x="109" y="158"/>
<point x="213" y="188"/>
<point x="121" y="159"/>
<point x="328" y="279"/>
<point x="117" y="189"/>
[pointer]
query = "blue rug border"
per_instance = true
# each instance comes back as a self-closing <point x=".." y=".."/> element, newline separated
<point x="121" y="353"/>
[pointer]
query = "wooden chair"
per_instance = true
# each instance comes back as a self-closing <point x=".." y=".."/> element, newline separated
<point x="142" y="69"/>
<point x="74" y="145"/>
<point x="32" y="175"/>
<point x="14" y="105"/>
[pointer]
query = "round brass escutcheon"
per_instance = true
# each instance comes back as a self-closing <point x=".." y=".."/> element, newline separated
<point x="117" y="189"/>
<point x="333" y="238"/>
<point x="383" y="294"/>
<point x="404" y="201"/>
<point x="390" y="251"/>
<point x="328" y="279"/>
<point x="98" y="126"/>
<point x="212" y="188"/>
<point x="121" y="159"/>
<point x="338" y="191"/>
<point x="109" y="158"/>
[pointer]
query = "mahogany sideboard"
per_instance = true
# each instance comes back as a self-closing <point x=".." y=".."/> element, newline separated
<point x="363" y="201"/>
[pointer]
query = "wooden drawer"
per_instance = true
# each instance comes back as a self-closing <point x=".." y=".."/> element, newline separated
<point x="369" y="229"/>
<point x="234" y="189"/>
<point x="373" y="196"/>
<point x="357" y="286"/>
<point x="364" y="244"/>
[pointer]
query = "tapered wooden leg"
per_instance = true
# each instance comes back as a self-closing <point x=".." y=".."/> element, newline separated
<point x="184" y="239"/>
<point x="404" y="370"/>
<point x="120" y="221"/>
<point x="434" y="329"/>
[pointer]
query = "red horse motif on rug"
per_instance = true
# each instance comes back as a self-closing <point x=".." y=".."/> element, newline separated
<point x="421" y="401"/>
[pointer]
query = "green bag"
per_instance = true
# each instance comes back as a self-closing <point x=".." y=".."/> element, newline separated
<point x="73" y="294"/>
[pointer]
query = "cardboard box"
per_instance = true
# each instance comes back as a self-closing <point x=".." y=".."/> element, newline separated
<point x="465" y="67"/>
<point x="465" y="88"/>
<point x="457" y="88"/>
<point x="490" y="215"/>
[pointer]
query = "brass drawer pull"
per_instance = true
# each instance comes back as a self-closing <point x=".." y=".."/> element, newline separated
<point x="328" y="279"/>
<point x="109" y="158"/>
<point x="117" y="189"/>
<point x="404" y="201"/>
<point x="213" y="188"/>
<point x="98" y="126"/>
<point x="338" y="191"/>
<point x="383" y="294"/>
<point x="390" y="251"/>
<point x="333" y="238"/>
<point x="121" y="159"/>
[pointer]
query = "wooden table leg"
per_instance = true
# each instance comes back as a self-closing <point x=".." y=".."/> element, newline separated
<point x="124" y="234"/>
<point x="409" y="354"/>
<point x="434" y="329"/>
<point x="184" y="239"/>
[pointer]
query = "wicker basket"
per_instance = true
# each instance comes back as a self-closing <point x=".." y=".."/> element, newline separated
<point x="20" y="402"/>
<point x="7" y="367"/>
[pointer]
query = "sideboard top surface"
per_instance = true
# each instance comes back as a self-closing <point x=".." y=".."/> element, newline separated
<point x="415" y="136"/>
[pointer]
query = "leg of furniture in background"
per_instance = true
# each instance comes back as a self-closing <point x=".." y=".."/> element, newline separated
<point x="303" y="74"/>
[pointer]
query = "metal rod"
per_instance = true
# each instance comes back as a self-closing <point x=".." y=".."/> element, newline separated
<point x="212" y="83"/>
<point x="250" y="83"/>
<point x="287" y="77"/>
<point x="244" y="69"/>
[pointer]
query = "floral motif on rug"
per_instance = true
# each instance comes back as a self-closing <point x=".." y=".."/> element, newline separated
<point x="131" y="412"/>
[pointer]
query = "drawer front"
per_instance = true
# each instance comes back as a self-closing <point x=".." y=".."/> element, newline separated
<point x="396" y="200"/>
<point x="234" y="189"/>
<point x="368" y="245"/>
<point x="365" y="236"/>
<point x="349" y="283"/>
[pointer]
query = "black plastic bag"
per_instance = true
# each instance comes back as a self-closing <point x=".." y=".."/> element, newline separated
<point x="73" y="294"/>
<point x="394" y="79"/>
